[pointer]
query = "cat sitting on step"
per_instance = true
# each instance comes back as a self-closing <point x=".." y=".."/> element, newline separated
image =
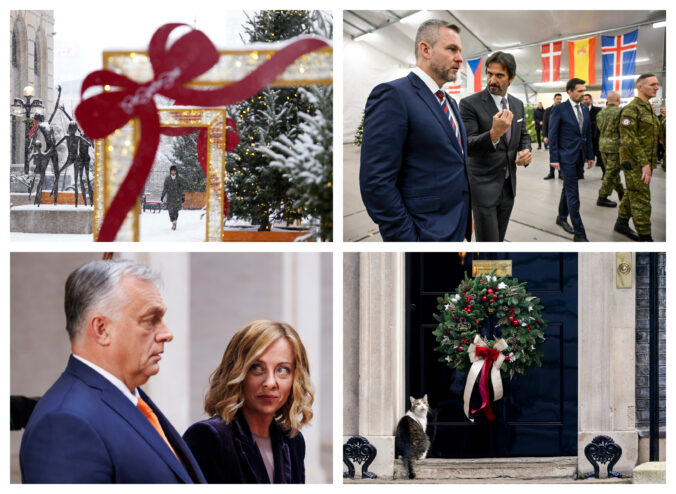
<point x="411" y="442"/>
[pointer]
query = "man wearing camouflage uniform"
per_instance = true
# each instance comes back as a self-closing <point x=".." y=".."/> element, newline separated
<point x="608" y="122"/>
<point x="639" y="133"/>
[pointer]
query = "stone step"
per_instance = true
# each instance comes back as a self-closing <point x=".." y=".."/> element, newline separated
<point x="525" y="468"/>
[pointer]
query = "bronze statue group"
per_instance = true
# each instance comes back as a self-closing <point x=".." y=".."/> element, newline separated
<point x="78" y="155"/>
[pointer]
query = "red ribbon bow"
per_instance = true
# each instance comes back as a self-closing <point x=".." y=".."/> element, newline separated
<point x="189" y="57"/>
<point x="490" y="355"/>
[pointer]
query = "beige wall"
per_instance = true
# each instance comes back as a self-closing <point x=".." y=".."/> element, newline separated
<point x="209" y="297"/>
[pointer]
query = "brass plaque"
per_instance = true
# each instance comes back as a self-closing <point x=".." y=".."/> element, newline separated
<point x="623" y="266"/>
<point x="501" y="267"/>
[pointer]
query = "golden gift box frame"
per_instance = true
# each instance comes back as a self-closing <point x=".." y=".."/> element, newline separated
<point x="114" y="154"/>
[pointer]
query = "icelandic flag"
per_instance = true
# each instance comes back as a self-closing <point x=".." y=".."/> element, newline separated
<point x="474" y="75"/>
<point x="619" y="63"/>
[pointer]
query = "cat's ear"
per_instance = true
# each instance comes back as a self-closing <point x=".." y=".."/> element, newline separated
<point x="411" y="399"/>
<point x="425" y="398"/>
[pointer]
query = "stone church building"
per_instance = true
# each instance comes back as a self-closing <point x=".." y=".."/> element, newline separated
<point x="31" y="64"/>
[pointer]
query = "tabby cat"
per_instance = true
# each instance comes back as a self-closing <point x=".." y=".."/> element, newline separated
<point x="411" y="442"/>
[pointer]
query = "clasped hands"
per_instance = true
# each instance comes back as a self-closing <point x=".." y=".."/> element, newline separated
<point x="502" y="121"/>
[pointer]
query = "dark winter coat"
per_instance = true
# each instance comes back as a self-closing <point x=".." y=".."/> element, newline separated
<point x="228" y="454"/>
<point x="175" y="192"/>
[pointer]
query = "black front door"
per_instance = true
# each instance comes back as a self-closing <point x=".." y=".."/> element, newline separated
<point x="538" y="414"/>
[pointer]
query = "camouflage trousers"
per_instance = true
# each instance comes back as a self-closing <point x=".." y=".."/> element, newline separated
<point x="611" y="179"/>
<point x="636" y="202"/>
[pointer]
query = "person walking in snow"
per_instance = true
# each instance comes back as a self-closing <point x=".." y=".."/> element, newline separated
<point x="174" y="188"/>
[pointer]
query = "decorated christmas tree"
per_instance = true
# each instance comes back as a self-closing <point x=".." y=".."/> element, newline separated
<point x="184" y="156"/>
<point x="307" y="160"/>
<point x="257" y="191"/>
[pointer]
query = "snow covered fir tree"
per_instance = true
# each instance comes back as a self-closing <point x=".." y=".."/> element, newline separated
<point x="269" y="185"/>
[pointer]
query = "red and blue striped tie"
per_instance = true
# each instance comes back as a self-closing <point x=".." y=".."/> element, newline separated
<point x="447" y="111"/>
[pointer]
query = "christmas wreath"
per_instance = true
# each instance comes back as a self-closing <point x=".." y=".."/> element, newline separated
<point x="516" y="323"/>
<point x="517" y="316"/>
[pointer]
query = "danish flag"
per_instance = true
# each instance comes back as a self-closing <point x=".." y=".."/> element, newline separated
<point x="551" y="61"/>
<point x="619" y="62"/>
<point x="453" y="88"/>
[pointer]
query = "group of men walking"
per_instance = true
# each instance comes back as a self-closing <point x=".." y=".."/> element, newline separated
<point x="622" y="140"/>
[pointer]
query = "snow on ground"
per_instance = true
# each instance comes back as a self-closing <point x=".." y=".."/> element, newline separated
<point x="49" y="237"/>
<point x="156" y="227"/>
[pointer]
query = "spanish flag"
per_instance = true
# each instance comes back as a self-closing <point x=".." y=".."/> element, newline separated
<point x="582" y="59"/>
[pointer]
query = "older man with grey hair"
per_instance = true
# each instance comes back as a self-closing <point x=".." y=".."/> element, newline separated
<point x="95" y="424"/>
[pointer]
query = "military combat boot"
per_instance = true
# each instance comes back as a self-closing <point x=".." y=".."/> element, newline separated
<point x="645" y="238"/>
<point x="622" y="226"/>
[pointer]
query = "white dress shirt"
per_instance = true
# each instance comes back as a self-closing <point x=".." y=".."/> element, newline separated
<point x="434" y="87"/>
<point x="113" y="380"/>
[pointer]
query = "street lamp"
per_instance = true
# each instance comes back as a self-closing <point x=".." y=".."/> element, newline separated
<point x="23" y="109"/>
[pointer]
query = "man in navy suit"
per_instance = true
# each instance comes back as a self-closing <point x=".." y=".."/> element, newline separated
<point x="497" y="141"/>
<point x="413" y="174"/>
<point x="95" y="425"/>
<point x="570" y="144"/>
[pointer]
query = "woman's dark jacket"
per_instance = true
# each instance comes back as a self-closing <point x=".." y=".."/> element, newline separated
<point x="228" y="454"/>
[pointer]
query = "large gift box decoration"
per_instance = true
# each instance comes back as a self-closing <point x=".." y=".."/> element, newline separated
<point x="201" y="80"/>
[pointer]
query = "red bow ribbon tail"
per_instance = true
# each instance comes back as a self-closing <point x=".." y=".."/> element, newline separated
<point x="490" y="355"/>
<point x="133" y="183"/>
<point x="34" y="129"/>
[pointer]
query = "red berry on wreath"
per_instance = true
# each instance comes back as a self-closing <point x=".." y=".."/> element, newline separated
<point x="483" y="299"/>
<point x="511" y="319"/>
<point x="460" y="349"/>
<point x="495" y="296"/>
<point x="477" y="321"/>
<point x="489" y="291"/>
<point x="506" y="358"/>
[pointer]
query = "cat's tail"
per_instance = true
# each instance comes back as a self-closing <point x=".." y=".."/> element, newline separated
<point x="410" y="465"/>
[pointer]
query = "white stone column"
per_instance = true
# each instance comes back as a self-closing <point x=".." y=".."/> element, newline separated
<point x="606" y="359"/>
<point x="170" y="388"/>
<point x="381" y="353"/>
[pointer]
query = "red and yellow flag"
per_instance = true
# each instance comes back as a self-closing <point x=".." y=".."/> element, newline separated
<point x="582" y="59"/>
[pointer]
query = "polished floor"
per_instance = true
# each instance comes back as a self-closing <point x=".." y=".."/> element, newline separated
<point x="535" y="208"/>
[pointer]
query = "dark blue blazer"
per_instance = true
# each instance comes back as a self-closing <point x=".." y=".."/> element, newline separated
<point x="228" y="454"/>
<point x="84" y="430"/>
<point x="566" y="143"/>
<point x="413" y="173"/>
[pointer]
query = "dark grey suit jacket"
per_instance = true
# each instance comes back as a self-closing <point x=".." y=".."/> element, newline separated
<point x="488" y="163"/>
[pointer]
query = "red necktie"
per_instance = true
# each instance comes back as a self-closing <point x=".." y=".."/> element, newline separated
<point x="447" y="111"/>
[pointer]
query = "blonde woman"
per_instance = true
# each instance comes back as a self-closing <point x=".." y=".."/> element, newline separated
<point x="259" y="398"/>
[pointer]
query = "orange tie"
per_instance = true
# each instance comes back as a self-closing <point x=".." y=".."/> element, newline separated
<point x="152" y="418"/>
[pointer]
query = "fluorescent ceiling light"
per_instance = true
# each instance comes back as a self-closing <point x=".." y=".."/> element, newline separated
<point x="365" y="37"/>
<point x="554" y="83"/>
<point x="409" y="19"/>
<point x="658" y="25"/>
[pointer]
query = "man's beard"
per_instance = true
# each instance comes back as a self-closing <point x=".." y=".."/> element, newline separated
<point x="445" y="75"/>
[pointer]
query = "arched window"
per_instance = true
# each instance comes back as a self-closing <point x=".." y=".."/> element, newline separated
<point x="37" y="66"/>
<point x="18" y="79"/>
